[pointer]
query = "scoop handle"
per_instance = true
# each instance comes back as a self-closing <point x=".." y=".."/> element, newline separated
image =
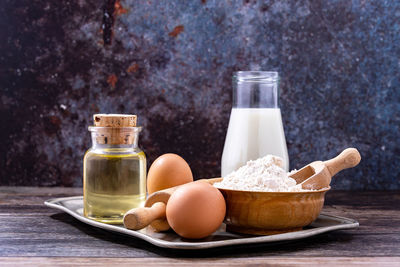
<point x="139" y="218"/>
<point x="350" y="157"/>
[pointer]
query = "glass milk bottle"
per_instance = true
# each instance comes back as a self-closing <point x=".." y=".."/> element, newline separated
<point x="255" y="125"/>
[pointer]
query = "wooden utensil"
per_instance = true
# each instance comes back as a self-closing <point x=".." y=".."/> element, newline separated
<point x="318" y="174"/>
<point x="153" y="212"/>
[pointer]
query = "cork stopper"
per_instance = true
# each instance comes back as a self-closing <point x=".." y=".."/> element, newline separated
<point x="114" y="131"/>
<point x="114" y="120"/>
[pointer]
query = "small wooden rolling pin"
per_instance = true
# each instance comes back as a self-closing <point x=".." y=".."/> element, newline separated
<point x="153" y="212"/>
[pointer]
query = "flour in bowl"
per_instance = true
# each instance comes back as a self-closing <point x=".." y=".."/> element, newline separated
<point x="263" y="175"/>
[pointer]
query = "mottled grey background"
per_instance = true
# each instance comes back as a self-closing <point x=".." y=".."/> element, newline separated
<point x="171" y="63"/>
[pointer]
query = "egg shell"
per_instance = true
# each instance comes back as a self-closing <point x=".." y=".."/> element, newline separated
<point x="196" y="210"/>
<point x="167" y="171"/>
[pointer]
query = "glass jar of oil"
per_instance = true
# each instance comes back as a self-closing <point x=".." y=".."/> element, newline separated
<point x="114" y="169"/>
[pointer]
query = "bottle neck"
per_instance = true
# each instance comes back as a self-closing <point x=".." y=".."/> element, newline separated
<point x="97" y="145"/>
<point x="255" y="89"/>
<point x="114" y="138"/>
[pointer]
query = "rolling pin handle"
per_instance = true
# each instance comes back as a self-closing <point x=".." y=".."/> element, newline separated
<point x="139" y="218"/>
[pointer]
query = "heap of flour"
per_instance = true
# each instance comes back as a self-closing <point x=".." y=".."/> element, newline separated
<point x="263" y="175"/>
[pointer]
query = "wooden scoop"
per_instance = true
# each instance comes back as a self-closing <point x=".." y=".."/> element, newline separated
<point x="318" y="174"/>
<point x="153" y="212"/>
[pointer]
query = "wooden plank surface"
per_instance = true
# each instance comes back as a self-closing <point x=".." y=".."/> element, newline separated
<point x="210" y="262"/>
<point x="30" y="229"/>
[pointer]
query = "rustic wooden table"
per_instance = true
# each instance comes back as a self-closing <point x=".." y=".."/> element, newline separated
<point x="31" y="233"/>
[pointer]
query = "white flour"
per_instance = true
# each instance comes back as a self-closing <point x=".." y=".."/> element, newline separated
<point x="264" y="175"/>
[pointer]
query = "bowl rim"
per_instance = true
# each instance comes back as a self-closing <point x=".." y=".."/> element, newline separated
<point x="326" y="189"/>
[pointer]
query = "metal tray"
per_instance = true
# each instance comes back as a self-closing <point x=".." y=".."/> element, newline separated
<point x="221" y="238"/>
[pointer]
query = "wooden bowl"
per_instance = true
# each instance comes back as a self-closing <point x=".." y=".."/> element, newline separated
<point x="266" y="213"/>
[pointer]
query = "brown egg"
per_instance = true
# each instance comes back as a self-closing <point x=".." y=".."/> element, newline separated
<point x="196" y="210"/>
<point x="167" y="171"/>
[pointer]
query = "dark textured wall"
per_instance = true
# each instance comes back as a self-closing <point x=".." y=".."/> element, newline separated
<point x="171" y="63"/>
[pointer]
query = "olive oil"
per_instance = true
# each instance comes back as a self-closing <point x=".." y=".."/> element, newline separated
<point x="113" y="184"/>
<point x="114" y="169"/>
